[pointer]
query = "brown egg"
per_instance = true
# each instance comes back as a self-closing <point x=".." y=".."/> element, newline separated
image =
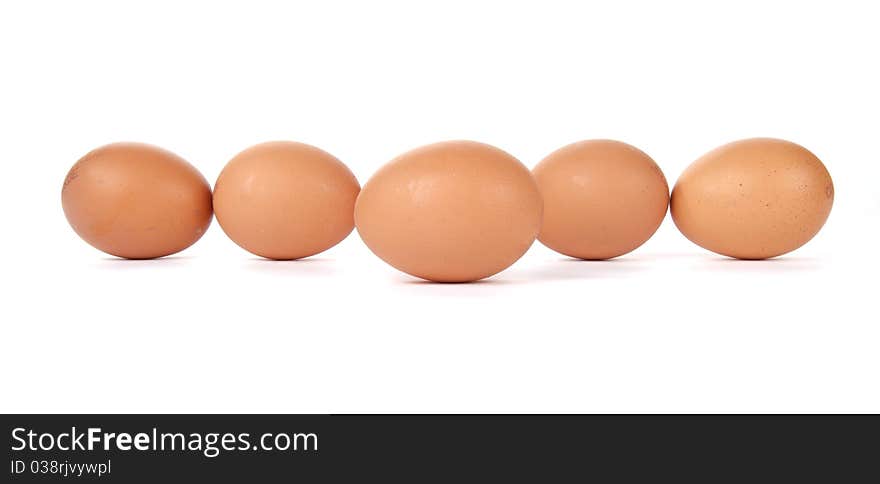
<point x="753" y="199"/>
<point x="285" y="200"/>
<point x="602" y="199"/>
<point x="136" y="201"/>
<point x="455" y="211"/>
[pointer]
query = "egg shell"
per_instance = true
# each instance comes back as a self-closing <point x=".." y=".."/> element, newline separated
<point x="753" y="199"/>
<point x="136" y="201"/>
<point x="602" y="199"/>
<point x="285" y="200"/>
<point x="454" y="211"/>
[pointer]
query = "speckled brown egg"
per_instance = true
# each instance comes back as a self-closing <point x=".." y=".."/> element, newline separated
<point x="753" y="199"/>
<point x="285" y="200"/>
<point x="455" y="211"/>
<point x="602" y="199"/>
<point x="136" y="201"/>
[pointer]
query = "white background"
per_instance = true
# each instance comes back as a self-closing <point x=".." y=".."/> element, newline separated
<point x="668" y="328"/>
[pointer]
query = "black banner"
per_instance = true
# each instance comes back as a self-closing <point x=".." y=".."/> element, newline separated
<point x="416" y="448"/>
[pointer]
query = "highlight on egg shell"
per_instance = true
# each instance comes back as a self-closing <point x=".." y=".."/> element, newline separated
<point x="455" y="211"/>
<point x="602" y="199"/>
<point x="136" y="201"/>
<point x="285" y="200"/>
<point x="753" y="199"/>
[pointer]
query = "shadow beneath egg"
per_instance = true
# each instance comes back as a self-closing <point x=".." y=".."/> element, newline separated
<point x="121" y="263"/>
<point x="475" y="289"/>
<point x="311" y="266"/>
<point x="565" y="268"/>
<point x="482" y="282"/>
<point x="569" y="268"/>
<point x="776" y="265"/>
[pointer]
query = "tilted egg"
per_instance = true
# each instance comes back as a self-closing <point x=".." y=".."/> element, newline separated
<point x="285" y="200"/>
<point x="753" y="199"/>
<point x="455" y="211"/>
<point x="136" y="201"/>
<point x="602" y="199"/>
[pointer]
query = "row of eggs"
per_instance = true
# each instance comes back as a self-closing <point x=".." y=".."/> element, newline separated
<point x="453" y="211"/>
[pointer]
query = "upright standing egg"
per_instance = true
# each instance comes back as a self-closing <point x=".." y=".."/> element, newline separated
<point x="455" y="211"/>
<point x="602" y="199"/>
<point x="136" y="201"/>
<point x="753" y="199"/>
<point x="285" y="200"/>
